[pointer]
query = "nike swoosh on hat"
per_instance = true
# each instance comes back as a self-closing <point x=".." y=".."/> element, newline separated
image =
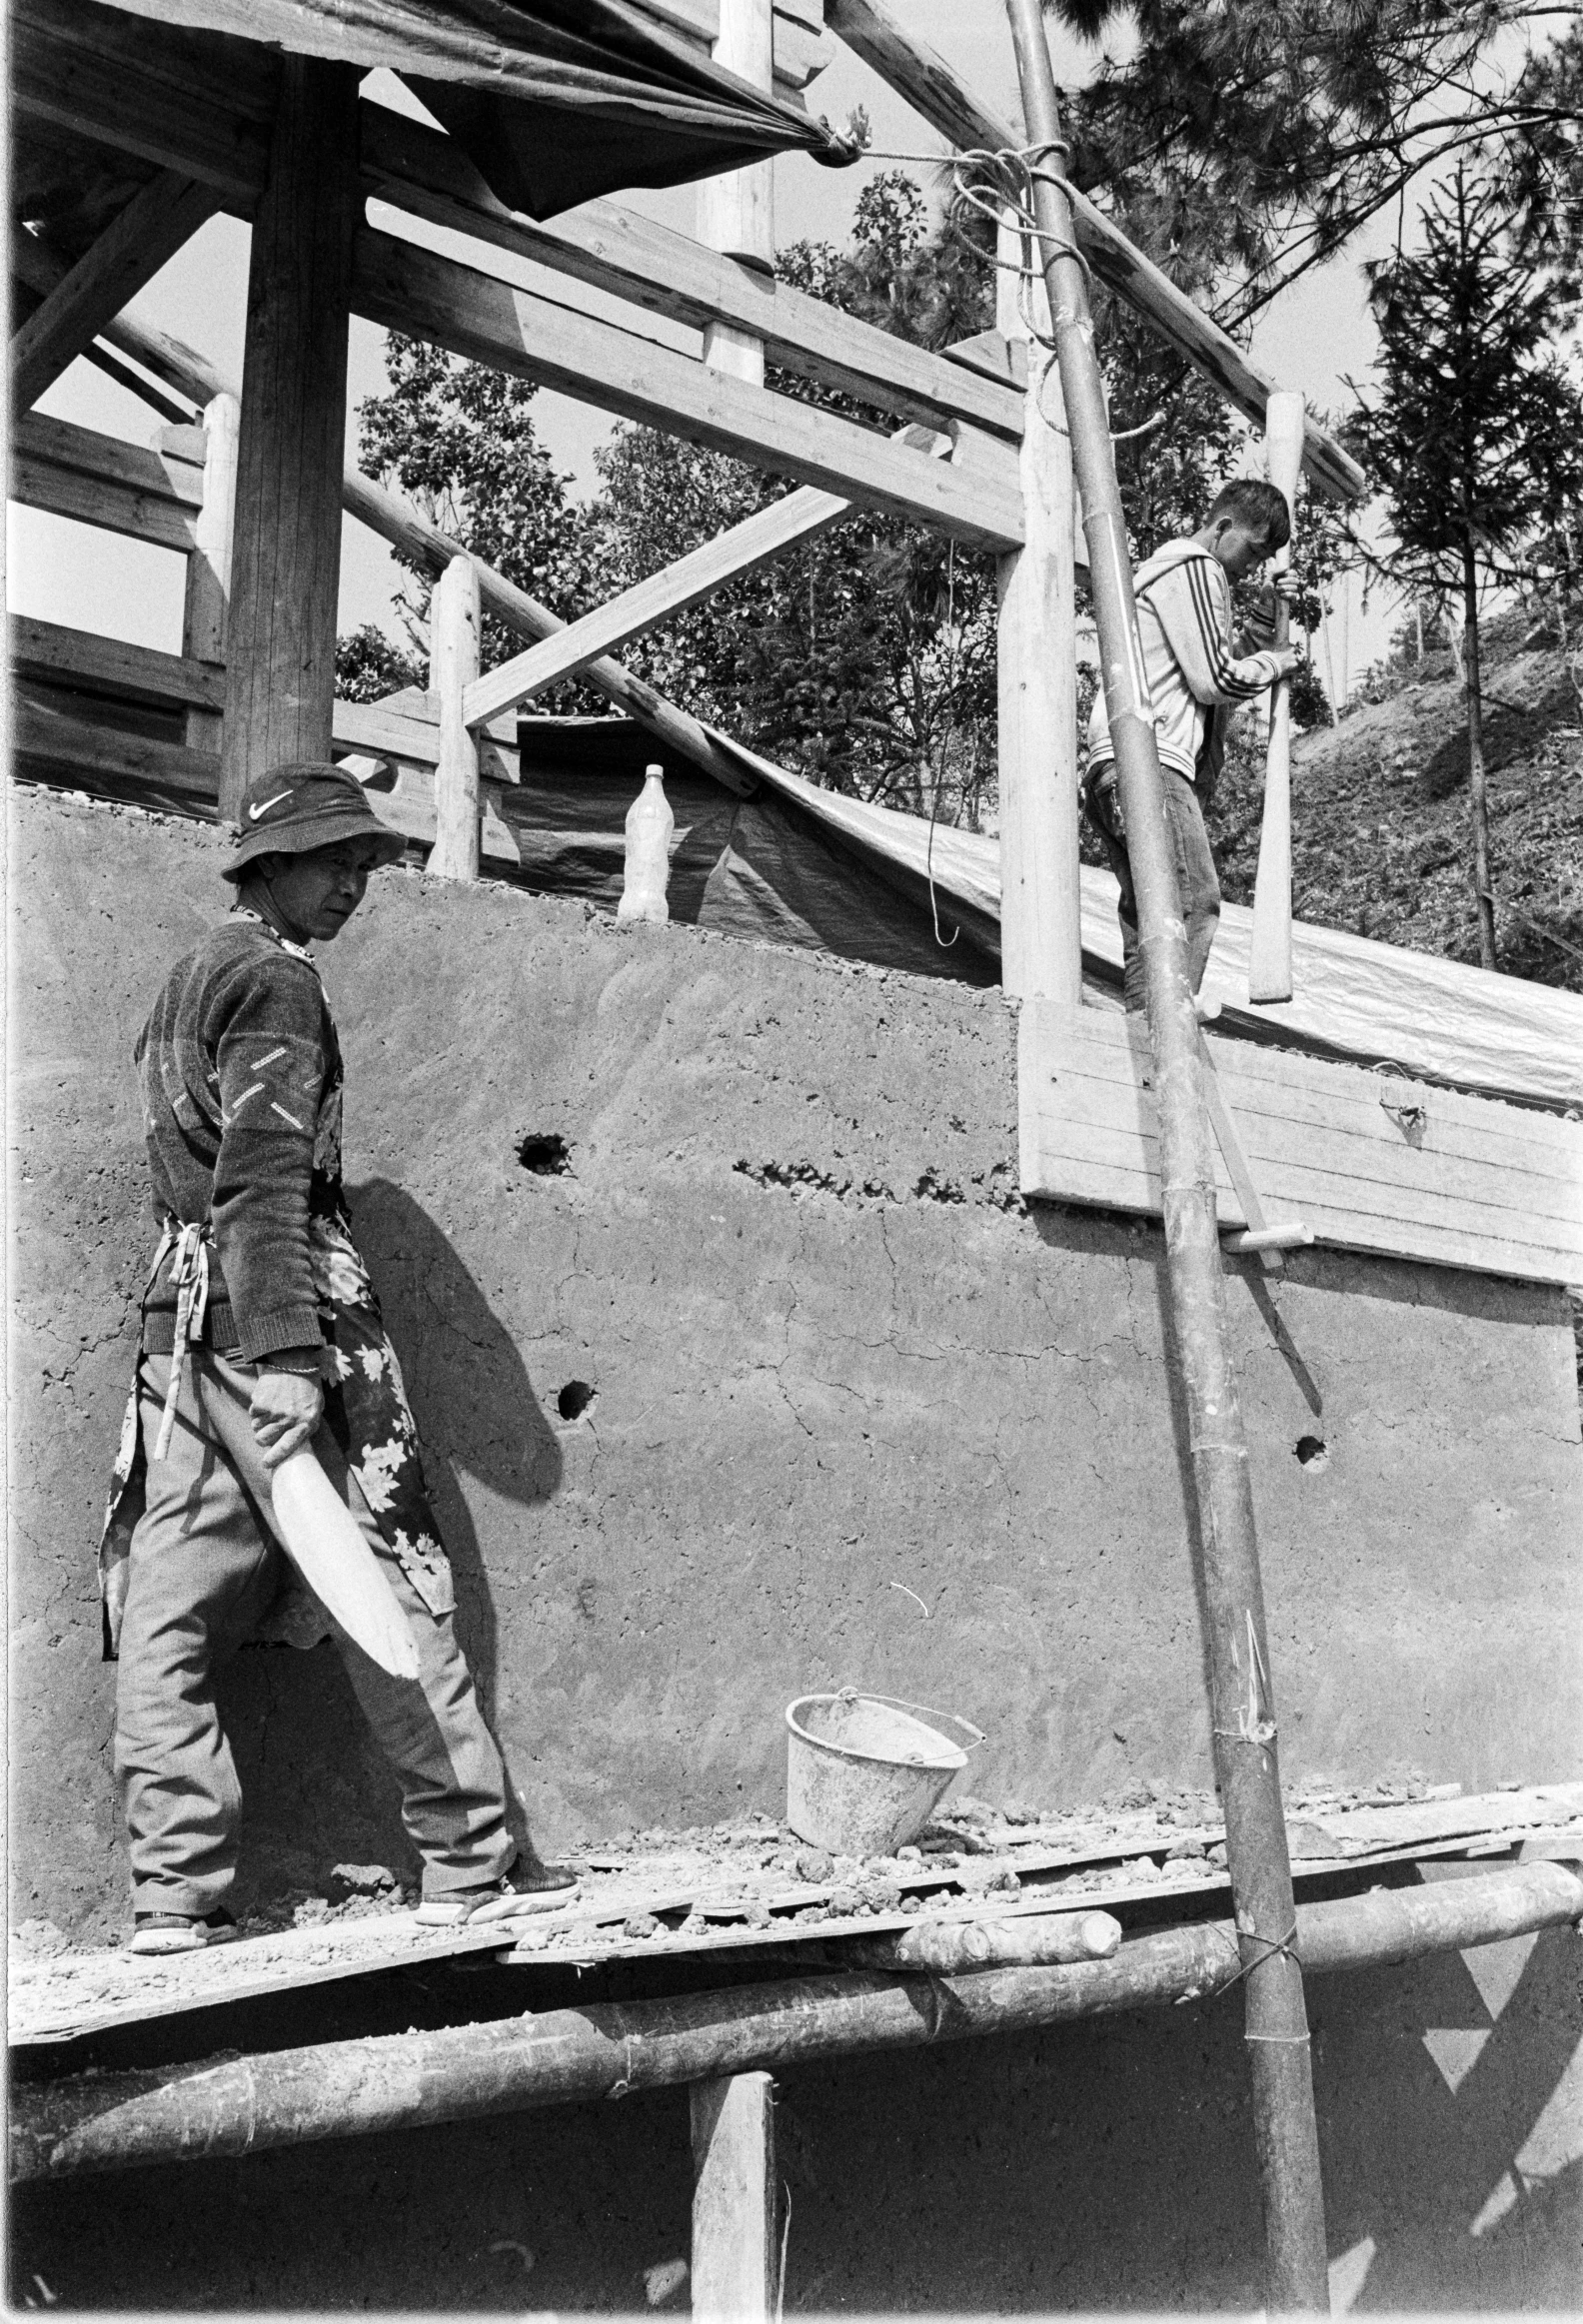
<point x="265" y="805"/>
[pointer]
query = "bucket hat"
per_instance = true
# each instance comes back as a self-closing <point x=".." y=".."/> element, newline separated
<point x="302" y="805"/>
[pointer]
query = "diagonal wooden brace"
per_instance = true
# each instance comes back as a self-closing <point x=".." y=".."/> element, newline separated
<point x="1264" y="1240"/>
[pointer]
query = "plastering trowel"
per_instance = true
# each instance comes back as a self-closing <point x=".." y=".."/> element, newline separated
<point x="324" y="1542"/>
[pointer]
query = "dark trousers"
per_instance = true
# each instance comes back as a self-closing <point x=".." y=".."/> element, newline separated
<point x="1197" y="883"/>
<point x="204" y="1567"/>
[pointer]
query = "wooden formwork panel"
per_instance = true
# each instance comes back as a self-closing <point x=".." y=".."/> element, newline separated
<point x="1367" y="1161"/>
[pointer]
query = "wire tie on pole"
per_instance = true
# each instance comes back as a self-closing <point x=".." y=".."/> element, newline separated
<point x="1272" y="1945"/>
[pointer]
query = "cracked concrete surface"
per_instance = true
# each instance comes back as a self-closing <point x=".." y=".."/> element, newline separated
<point x="830" y="1349"/>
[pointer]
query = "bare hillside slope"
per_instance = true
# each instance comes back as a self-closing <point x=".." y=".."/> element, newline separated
<point x="1380" y="810"/>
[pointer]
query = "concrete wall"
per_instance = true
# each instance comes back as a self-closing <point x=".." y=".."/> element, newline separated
<point x="831" y="1352"/>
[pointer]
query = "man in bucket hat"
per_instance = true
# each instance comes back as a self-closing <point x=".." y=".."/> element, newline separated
<point x="261" y="1334"/>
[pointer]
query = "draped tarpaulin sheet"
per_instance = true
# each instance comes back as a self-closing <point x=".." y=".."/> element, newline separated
<point x="556" y="100"/>
<point x="1352" y="998"/>
<point x="799" y="865"/>
<point x="757" y="868"/>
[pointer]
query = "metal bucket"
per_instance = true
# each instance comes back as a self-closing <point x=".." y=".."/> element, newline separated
<point x="863" y="1777"/>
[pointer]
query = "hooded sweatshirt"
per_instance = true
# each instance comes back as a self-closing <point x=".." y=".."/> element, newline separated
<point x="1195" y="674"/>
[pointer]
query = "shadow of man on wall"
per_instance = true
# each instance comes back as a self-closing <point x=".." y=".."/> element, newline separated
<point x="471" y="1397"/>
<point x="318" y="1789"/>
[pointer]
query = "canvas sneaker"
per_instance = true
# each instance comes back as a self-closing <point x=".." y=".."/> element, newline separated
<point x="180" y="1931"/>
<point x="529" y="1887"/>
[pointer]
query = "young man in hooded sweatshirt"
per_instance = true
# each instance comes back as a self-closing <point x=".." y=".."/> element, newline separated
<point x="1198" y="671"/>
<point x="261" y="1334"/>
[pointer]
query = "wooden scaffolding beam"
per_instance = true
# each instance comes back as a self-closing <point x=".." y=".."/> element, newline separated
<point x="976" y="499"/>
<point x="285" y="556"/>
<point x="129" y="253"/>
<point x="733" y="2199"/>
<point x="1036" y="694"/>
<point x="242" y="2105"/>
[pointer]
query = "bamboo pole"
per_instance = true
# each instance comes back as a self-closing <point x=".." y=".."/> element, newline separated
<point x="1241" y="1696"/>
<point x="349" y="2089"/>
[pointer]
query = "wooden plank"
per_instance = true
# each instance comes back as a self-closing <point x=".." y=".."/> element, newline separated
<point x="286" y="555"/>
<point x="918" y="73"/>
<point x="113" y="507"/>
<point x="157" y="473"/>
<point x="1334" y="1098"/>
<point x="1447" y="1190"/>
<point x="155" y="224"/>
<point x="78" y="756"/>
<point x="410" y="809"/>
<point x="801" y="516"/>
<point x="733" y="2199"/>
<point x="405" y="727"/>
<point x="96" y="73"/>
<point x="1093" y="1167"/>
<point x="429" y="296"/>
<point x="1086" y="1119"/>
<point x="667" y="273"/>
<point x="46" y="649"/>
<point x="170" y="1985"/>
<point x="993" y="354"/>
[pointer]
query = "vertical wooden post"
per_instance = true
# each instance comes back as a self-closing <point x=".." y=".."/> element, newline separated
<point x="209" y="564"/>
<point x="453" y="665"/>
<point x="1271" y="942"/>
<point x="735" y="211"/>
<point x="1037" y="649"/>
<point x="733" y="2206"/>
<point x="286" y="558"/>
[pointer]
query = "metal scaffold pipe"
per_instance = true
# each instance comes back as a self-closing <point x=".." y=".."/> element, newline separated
<point x="1241" y="1695"/>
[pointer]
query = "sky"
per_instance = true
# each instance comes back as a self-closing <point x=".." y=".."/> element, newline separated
<point x="57" y="570"/>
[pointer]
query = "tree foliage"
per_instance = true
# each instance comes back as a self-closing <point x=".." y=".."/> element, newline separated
<point x="458" y="439"/>
<point x="1241" y="145"/>
<point x="1474" y="429"/>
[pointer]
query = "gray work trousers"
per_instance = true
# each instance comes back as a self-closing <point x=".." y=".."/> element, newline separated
<point x="1197" y="883"/>
<point x="204" y="1567"/>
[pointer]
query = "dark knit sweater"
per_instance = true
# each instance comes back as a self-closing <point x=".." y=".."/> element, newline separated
<point x="237" y="1059"/>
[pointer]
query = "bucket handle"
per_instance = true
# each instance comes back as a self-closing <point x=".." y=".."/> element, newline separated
<point x="898" y="1703"/>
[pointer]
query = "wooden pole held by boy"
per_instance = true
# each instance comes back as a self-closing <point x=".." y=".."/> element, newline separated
<point x="1271" y="946"/>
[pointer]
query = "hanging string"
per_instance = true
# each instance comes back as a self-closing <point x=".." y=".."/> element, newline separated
<point x="944" y="943"/>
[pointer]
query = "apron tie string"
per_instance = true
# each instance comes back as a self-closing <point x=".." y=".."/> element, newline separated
<point x="191" y="1279"/>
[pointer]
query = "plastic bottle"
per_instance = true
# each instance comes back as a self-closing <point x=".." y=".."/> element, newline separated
<point x="650" y="826"/>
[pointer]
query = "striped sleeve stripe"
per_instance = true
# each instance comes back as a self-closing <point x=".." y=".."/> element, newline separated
<point x="1222" y="667"/>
